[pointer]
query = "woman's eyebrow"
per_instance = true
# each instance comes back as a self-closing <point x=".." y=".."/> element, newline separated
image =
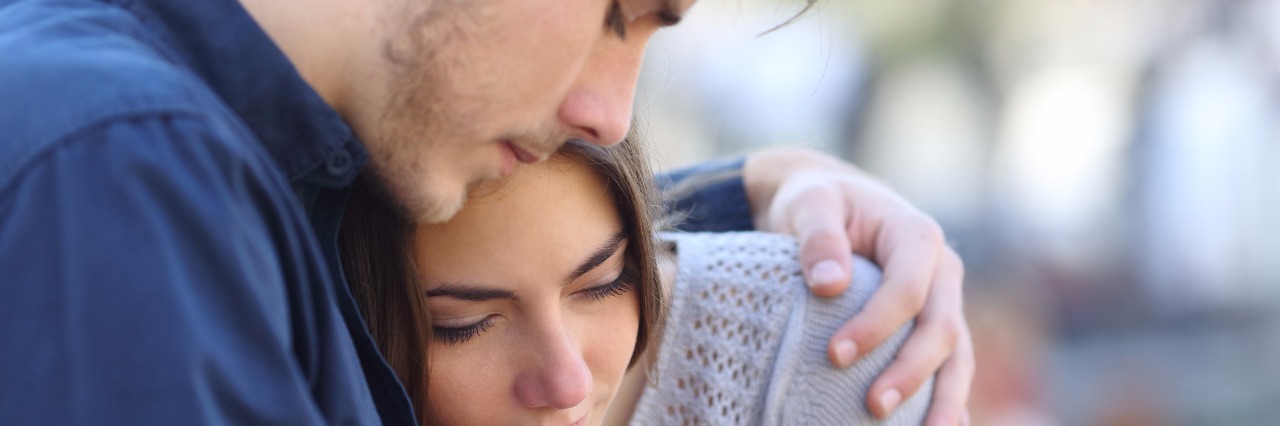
<point x="475" y="293"/>
<point x="607" y="250"/>
<point x="470" y="293"/>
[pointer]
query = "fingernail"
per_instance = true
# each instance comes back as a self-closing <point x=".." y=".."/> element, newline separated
<point x="845" y="351"/>
<point x="890" y="399"/>
<point x="825" y="272"/>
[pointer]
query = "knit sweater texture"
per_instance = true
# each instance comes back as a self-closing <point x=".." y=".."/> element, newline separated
<point x="745" y="342"/>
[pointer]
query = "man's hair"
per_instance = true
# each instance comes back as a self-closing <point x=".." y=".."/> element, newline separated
<point x="377" y="251"/>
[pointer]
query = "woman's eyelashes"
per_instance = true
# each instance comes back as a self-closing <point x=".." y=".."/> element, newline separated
<point x="620" y="286"/>
<point x="457" y="335"/>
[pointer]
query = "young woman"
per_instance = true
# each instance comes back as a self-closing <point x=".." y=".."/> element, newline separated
<point x="536" y="301"/>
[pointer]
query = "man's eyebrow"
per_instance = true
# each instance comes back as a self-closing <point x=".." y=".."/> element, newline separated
<point x="598" y="257"/>
<point x="470" y="293"/>
<point x="670" y="14"/>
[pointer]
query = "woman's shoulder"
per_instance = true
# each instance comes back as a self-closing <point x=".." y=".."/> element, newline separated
<point x="758" y="275"/>
<point x="745" y="342"/>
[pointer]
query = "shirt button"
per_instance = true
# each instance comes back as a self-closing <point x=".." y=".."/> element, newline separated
<point x="339" y="163"/>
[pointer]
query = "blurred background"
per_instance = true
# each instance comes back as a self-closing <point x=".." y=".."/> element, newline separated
<point x="1108" y="169"/>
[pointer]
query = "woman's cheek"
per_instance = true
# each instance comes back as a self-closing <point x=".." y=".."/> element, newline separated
<point x="479" y="370"/>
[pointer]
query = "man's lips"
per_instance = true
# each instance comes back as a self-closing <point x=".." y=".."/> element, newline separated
<point x="524" y="155"/>
<point x="510" y="158"/>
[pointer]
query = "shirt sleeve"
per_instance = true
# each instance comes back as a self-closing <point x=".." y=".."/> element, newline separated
<point x="141" y="284"/>
<point x="708" y="197"/>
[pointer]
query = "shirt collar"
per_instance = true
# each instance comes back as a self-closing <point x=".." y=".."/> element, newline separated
<point x="221" y="43"/>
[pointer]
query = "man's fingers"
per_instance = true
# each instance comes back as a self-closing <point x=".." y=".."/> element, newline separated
<point x="908" y="274"/>
<point x="824" y="246"/>
<point x="834" y="210"/>
<point x="951" y="388"/>
<point x="932" y="342"/>
<point x="923" y="354"/>
<point x="827" y="261"/>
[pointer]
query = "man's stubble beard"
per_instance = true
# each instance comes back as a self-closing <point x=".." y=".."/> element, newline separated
<point x="408" y="129"/>
<point x="408" y="136"/>
<point x="426" y="114"/>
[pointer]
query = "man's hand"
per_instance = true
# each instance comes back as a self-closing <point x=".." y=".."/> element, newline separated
<point x="835" y="209"/>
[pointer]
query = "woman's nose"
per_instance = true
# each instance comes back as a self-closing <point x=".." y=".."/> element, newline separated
<point x="558" y="376"/>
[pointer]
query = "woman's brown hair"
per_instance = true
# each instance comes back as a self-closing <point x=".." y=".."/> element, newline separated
<point x="377" y="251"/>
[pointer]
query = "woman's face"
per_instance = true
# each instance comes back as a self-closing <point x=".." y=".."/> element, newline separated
<point x="534" y="313"/>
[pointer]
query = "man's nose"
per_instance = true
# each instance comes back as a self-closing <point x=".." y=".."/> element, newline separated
<point x="598" y="107"/>
<point x="558" y="376"/>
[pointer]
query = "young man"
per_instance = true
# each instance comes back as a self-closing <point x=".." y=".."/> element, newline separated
<point x="173" y="173"/>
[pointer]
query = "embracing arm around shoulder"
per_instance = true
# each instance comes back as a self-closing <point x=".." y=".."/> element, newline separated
<point x="745" y="342"/>
<point x="834" y="209"/>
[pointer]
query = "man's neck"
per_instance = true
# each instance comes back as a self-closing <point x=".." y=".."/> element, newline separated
<point x="317" y="38"/>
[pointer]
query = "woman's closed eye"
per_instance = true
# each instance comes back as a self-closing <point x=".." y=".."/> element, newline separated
<point x="621" y="285"/>
<point x="625" y="282"/>
<point x="456" y="335"/>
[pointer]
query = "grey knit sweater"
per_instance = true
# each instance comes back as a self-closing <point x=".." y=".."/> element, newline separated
<point x="746" y="343"/>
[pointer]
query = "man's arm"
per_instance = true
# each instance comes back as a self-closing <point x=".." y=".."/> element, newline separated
<point x="834" y="209"/>
<point x="708" y="197"/>
<point x="141" y="285"/>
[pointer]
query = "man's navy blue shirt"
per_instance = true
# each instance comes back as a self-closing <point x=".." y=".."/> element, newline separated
<point x="170" y="194"/>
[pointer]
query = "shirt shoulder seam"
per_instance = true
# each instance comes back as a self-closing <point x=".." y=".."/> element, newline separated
<point x="73" y="135"/>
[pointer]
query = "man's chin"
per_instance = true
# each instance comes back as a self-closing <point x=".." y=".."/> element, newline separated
<point x="426" y="206"/>
<point x="437" y="212"/>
